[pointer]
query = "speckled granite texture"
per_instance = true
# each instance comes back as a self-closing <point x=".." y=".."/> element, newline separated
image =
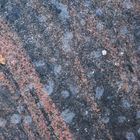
<point x="70" y="70"/>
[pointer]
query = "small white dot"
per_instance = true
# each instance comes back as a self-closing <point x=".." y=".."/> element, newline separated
<point x="104" y="52"/>
<point x="86" y="112"/>
<point x="86" y="130"/>
<point x="93" y="72"/>
<point x="116" y="64"/>
<point x="121" y="53"/>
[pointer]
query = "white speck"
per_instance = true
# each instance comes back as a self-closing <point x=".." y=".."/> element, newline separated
<point x="48" y="88"/>
<point x="130" y="136"/>
<point x="65" y="94"/>
<point x="86" y="113"/>
<point x="27" y="119"/>
<point x="99" y="92"/>
<point x="2" y="122"/>
<point x="86" y="130"/>
<point x="15" y="119"/>
<point x="90" y="74"/>
<point x="104" y="52"/>
<point x="121" y="53"/>
<point x="116" y="64"/>
<point x="67" y="115"/>
<point x="93" y="72"/>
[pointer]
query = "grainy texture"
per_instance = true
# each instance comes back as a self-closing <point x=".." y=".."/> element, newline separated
<point x="70" y="70"/>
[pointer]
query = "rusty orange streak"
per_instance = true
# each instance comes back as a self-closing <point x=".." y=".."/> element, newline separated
<point x="25" y="74"/>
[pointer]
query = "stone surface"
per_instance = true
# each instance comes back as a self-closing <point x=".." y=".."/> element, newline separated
<point x="67" y="115"/>
<point x="121" y="119"/>
<point x="138" y="115"/>
<point x="69" y="69"/>
<point x="65" y="94"/>
<point x="105" y="120"/>
<point x="15" y="119"/>
<point x="126" y="104"/>
<point x="130" y="136"/>
<point x="2" y="122"/>
<point x="138" y="131"/>
<point x="49" y="87"/>
<point x="99" y="92"/>
<point x="27" y="119"/>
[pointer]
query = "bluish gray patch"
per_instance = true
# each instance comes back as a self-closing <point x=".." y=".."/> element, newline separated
<point x="105" y="119"/>
<point x="130" y="136"/>
<point x="67" y="115"/>
<point x="126" y="104"/>
<point x="15" y="119"/>
<point x="14" y="14"/>
<point x="138" y="114"/>
<point x="64" y="14"/>
<point x="48" y="88"/>
<point x="2" y="122"/>
<point x="57" y="69"/>
<point x="65" y="94"/>
<point x="66" y="41"/>
<point x="74" y="89"/>
<point x="121" y="119"/>
<point x="99" y="12"/>
<point x="20" y="109"/>
<point x="27" y="119"/>
<point x="99" y="92"/>
<point x="124" y="30"/>
<point x="138" y="131"/>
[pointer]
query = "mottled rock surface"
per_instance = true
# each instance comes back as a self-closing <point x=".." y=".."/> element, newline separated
<point x="71" y="70"/>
